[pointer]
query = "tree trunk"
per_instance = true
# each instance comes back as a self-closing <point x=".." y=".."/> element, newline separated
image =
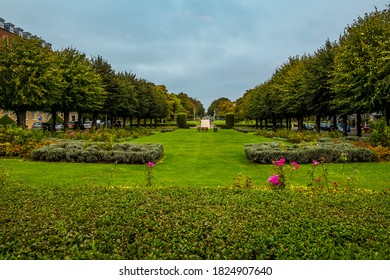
<point x="94" y="118"/>
<point x="21" y="118"/>
<point x="66" y="120"/>
<point x="124" y="121"/>
<point x="345" y="122"/>
<point x="318" y="123"/>
<point x="335" y="122"/>
<point x="359" y="124"/>
<point x="274" y="123"/>
<point x="54" y="120"/>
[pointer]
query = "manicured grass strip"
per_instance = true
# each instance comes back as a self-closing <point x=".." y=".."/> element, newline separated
<point x="61" y="222"/>
<point x="191" y="158"/>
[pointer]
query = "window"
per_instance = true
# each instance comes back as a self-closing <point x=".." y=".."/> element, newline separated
<point x="33" y="116"/>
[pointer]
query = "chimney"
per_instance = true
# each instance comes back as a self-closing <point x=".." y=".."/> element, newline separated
<point x="18" y="31"/>
<point x="27" y="35"/>
<point x="9" y="27"/>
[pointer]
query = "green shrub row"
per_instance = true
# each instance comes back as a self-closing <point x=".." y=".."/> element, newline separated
<point x="306" y="153"/>
<point x="65" y="222"/>
<point x="79" y="151"/>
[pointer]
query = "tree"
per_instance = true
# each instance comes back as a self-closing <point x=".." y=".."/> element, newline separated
<point x="220" y="107"/>
<point x="28" y="79"/>
<point x="82" y="88"/>
<point x="362" y="65"/>
<point x="319" y="71"/>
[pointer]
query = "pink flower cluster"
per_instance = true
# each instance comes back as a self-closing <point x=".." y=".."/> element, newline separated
<point x="150" y="164"/>
<point x="282" y="161"/>
<point x="274" y="179"/>
<point x="279" y="162"/>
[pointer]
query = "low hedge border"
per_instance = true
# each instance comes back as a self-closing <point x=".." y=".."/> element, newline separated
<point x="80" y="151"/>
<point x="306" y="153"/>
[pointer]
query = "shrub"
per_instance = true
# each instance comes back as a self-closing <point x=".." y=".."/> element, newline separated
<point x="292" y="136"/>
<point x="17" y="142"/>
<point x="79" y="151"/>
<point x="100" y="223"/>
<point x="181" y="120"/>
<point x="380" y="133"/>
<point x="4" y="120"/>
<point x="229" y="120"/>
<point x="268" y="152"/>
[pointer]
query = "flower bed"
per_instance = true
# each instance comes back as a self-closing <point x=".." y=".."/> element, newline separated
<point x="79" y="151"/>
<point x="306" y="153"/>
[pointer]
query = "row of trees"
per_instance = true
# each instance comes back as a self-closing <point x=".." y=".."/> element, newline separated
<point x="351" y="76"/>
<point x="33" y="78"/>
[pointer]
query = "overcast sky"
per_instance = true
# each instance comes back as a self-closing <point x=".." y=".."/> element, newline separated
<point x="205" y="48"/>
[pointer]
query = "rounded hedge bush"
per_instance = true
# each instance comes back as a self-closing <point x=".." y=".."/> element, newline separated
<point x="181" y="120"/>
<point x="229" y="120"/>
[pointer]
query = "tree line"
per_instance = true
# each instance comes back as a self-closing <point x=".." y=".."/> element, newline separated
<point x="36" y="78"/>
<point x="350" y="76"/>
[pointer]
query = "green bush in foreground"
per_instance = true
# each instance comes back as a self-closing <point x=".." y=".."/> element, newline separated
<point x="79" y="151"/>
<point x="64" y="222"/>
<point x="306" y="153"/>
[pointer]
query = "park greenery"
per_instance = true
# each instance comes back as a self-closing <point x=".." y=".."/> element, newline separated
<point x="34" y="78"/>
<point x="201" y="200"/>
<point x="172" y="192"/>
<point x="341" y="78"/>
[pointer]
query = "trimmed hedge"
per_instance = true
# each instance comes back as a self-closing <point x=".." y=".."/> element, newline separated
<point x="66" y="222"/>
<point x="79" y="151"/>
<point x="229" y="120"/>
<point x="4" y="120"/>
<point x="331" y="152"/>
<point x="181" y="120"/>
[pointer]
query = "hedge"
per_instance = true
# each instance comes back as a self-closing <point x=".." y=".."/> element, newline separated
<point x="4" y="120"/>
<point x="177" y="223"/>
<point x="181" y="119"/>
<point x="229" y="120"/>
<point x="306" y="153"/>
<point x="79" y="151"/>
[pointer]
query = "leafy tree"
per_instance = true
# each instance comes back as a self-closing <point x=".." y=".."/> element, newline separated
<point x="318" y="77"/>
<point x="220" y="107"/>
<point x="28" y="79"/>
<point x="82" y="88"/>
<point x="362" y="65"/>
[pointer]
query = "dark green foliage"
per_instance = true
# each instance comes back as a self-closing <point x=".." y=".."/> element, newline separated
<point x="4" y="120"/>
<point x="330" y="152"/>
<point x="380" y="133"/>
<point x="78" y="151"/>
<point x="181" y="120"/>
<point x="229" y="120"/>
<point x="64" y="222"/>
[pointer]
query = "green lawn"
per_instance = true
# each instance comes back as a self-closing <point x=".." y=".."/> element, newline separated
<point x="191" y="158"/>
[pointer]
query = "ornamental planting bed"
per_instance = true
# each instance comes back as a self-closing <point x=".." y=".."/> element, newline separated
<point x="82" y="151"/>
<point x="307" y="153"/>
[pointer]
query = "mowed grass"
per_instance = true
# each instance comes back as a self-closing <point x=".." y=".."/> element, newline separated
<point x="191" y="158"/>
